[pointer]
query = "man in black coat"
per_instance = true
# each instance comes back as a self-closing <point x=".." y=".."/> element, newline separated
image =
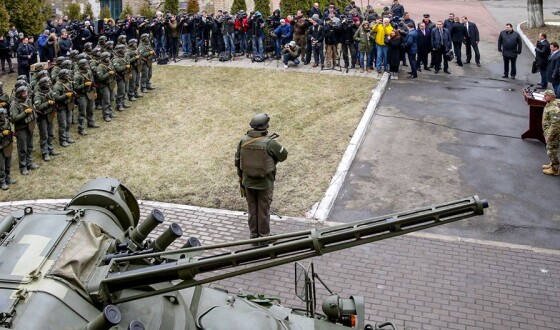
<point x="24" y="55"/>
<point x="441" y="45"/>
<point x="473" y="38"/>
<point x="509" y="44"/>
<point x="553" y="68"/>
<point x="424" y="45"/>
<point x="542" y="52"/>
<point x="5" y="54"/>
<point x="458" y="36"/>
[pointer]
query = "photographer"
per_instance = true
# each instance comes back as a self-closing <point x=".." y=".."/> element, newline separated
<point x="397" y="9"/>
<point x="241" y="28"/>
<point x="172" y="35"/>
<point x="86" y="35"/>
<point x="228" y="33"/>
<point x="300" y="25"/>
<point x="130" y="26"/>
<point x="331" y="41"/>
<point x="157" y="33"/>
<point x="315" y="37"/>
<point x="283" y="35"/>
<point x="348" y="29"/>
<point x="186" y="24"/>
<point x="291" y="52"/>
<point x="256" y="22"/>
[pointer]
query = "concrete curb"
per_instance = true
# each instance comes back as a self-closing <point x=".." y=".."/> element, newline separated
<point x="322" y="210"/>
<point x="526" y="40"/>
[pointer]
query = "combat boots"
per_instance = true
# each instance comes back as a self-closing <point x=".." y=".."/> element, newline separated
<point x="551" y="171"/>
<point x="4" y="186"/>
<point x="120" y="107"/>
<point x="132" y="98"/>
<point x="9" y="180"/>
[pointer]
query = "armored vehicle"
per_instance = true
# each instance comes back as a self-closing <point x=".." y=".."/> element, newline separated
<point x="94" y="265"/>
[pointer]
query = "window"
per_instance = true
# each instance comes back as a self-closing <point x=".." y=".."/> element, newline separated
<point x="115" y="6"/>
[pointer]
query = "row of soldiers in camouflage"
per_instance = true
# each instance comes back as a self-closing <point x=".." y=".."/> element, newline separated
<point x="96" y="75"/>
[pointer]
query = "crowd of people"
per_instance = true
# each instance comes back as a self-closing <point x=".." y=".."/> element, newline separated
<point x="102" y="76"/>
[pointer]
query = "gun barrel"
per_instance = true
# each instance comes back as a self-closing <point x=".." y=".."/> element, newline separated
<point x="292" y="248"/>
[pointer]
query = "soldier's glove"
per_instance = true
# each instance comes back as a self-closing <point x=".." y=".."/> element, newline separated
<point x="111" y="73"/>
<point x="6" y="132"/>
<point x="28" y="110"/>
<point x="151" y="52"/>
<point x="51" y="102"/>
<point x="69" y="94"/>
<point x="128" y="66"/>
<point x="137" y="56"/>
<point x="94" y="95"/>
<point x="88" y="83"/>
<point x="3" y="104"/>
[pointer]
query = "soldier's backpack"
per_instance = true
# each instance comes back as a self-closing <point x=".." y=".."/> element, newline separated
<point x="255" y="161"/>
<point x="224" y="57"/>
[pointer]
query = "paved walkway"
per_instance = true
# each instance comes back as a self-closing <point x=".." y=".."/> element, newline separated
<point x="417" y="281"/>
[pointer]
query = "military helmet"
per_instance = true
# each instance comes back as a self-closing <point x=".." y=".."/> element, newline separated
<point x="43" y="73"/>
<point x="66" y="64"/>
<point x="21" y="92"/>
<point x="83" y="63"/>
<point x="64" y="74"/>
<point x="3" y="113"/>
<point x="21" y="77"/>
<point x="88" y="46"/>
<point x="101" y="40"/>
<point x="20" y="83"/>
<point x="109" y="44"/>
<point x="44" y="82"/>
<point x="121" y="39"/>
<point x="132" y="41"/>
<point x="120" y="49"/>
<point x="104" y="55"/>
<point x="260" y="121"/>
<point x="95" y="52"/>
<point x="144" y="37"/>
<point x="73" y="53"/>
<point x="59" y="60"/>
<point x="81" y="56"/>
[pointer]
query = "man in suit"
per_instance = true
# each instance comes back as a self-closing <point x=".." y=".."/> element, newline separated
<point x="542" y="52"/>
<point x="458" y="36"/>
<point x="441" y="44"/>
<point x="424" y="45"/>
<point x="553" y="68"/>
<point x="509" y="44"/>
<point x="473" y="37"/>
<point x="411" y="42"/>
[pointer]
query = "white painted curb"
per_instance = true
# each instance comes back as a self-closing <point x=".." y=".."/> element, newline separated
<point x="526" y="40"/>
<point x="323" y="209"/>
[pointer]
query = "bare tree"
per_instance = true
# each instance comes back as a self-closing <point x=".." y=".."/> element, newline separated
<point x="535" y="13"/>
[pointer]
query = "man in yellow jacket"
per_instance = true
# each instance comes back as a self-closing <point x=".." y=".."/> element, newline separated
<point x="382" y="31"/>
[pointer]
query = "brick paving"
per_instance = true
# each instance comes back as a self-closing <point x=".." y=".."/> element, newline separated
<point x="415" y="281"/>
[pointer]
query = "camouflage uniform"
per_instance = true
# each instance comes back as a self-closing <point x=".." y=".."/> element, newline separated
<point x="135" y="67"/>
<point x="122" y="69"/>
<point x="106" y="84"/>
<point x="6" y="148"/>
<point x="64" y="96"/>
<point x="146" y="53"/>
<point x="551" y="128"/>
<point x="4" y="98"/>
<point x="24" y="118"/>
<point x="46" y="110"/>
<point x="85" y="90"/>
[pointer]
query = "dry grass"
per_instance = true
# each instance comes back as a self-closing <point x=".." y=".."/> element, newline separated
<point x="177" y="144"/>
<point x="552" y="32"/>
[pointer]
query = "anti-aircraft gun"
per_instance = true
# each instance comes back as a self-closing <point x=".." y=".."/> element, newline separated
<point x="92" y="266"/>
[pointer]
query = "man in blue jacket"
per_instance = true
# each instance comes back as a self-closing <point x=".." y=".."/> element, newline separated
<point x="411" y="42"/>
<point x="283" y="35"/>
<point x="441" y="45"/>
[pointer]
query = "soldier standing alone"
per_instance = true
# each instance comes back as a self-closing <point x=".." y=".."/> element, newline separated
<point x="256" y="158"/>
<point x="551" y="128"/>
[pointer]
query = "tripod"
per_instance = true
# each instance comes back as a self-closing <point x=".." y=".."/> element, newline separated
<point x="336" y="62"/>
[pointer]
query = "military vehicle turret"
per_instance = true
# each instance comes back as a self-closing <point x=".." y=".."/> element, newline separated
<point x="93" y="266"/>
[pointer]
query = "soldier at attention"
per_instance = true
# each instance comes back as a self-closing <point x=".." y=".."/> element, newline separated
<point x="551" y="128"/>
<point x="256" y="158"/>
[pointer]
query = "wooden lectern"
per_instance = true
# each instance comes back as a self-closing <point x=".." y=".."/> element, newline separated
<point x="536" y="108"/>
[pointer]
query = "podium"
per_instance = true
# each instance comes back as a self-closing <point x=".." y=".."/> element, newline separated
<point x="536" y="108"/>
